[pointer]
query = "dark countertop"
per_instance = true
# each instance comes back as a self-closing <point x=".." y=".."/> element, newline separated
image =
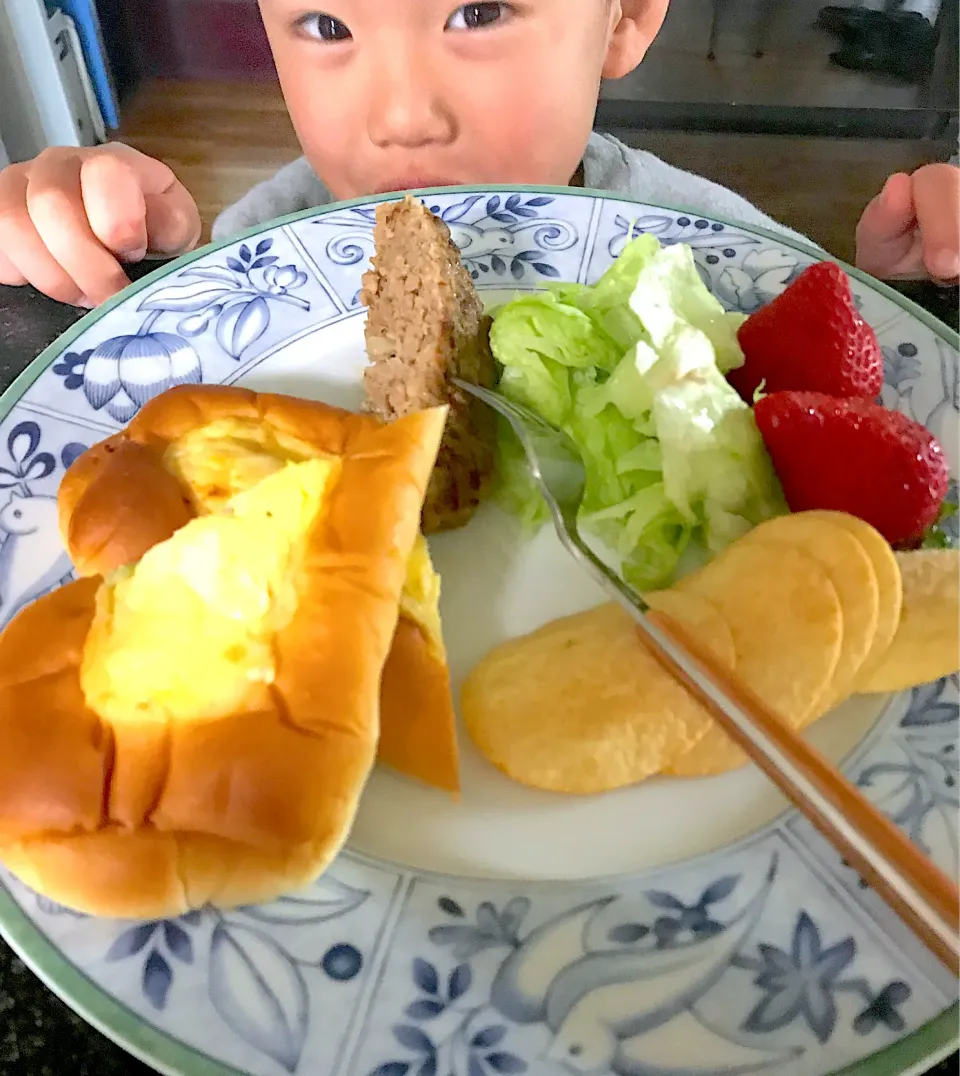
<point x="39" y="1035"/>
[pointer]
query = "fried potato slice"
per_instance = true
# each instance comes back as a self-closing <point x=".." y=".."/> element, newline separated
<point x="851" y="571"/>
<point x="927" y="643"/>
<point x="581" y="705"/>
<point x="887" y="572"/>
<point x="787" y="625"/>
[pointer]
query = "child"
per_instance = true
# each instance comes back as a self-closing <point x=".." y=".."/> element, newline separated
<point x="412" y="93"/>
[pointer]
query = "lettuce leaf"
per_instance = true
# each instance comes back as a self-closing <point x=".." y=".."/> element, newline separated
<point x="670" y="294"/>
<point x="716" y="470"/>
<point x="538" y="340"/>
<point x="632" y="368"/>
<point x="607" y="302"/>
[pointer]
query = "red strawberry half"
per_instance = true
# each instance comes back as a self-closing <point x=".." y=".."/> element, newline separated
<point x="810" y="338"/>
<point x="857" y="457"/>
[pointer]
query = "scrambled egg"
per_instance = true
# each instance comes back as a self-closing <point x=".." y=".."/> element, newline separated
<point x="187" y="633"/>
<point x="222" y="459"/>
<point x="420" y="599"/>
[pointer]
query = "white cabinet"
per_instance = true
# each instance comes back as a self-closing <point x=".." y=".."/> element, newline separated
<point x="45" y="97"/>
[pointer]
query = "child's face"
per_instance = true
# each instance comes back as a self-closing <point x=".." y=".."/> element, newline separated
<point x="392" y="94"/>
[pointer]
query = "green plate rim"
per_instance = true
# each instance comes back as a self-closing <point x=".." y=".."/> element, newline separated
<point x="909" y="1056"/>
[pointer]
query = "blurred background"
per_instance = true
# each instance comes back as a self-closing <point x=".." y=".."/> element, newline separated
<point x="804" y="109"/>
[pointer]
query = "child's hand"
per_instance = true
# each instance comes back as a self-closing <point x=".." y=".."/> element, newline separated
<point x="69" y="217"/>
<point x="912" y="228"/>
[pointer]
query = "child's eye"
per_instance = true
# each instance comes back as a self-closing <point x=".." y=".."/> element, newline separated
<point x="478" y="16"/>
<point x="323" y="27"/>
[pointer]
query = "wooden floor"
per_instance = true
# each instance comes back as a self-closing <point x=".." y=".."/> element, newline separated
<point x="222" y="138"/>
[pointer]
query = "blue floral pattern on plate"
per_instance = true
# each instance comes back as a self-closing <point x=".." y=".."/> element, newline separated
<point x="219" y="312"/>
<point x="232" y="301"/>
<point x="505" y="240"/>
<point x="767" y="956"/>
<point x="731" y="976"/>
<point x="34" y="457"/>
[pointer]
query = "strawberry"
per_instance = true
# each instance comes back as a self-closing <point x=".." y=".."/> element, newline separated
<point x="810" y="338"/>
<point x="857" y="457"/>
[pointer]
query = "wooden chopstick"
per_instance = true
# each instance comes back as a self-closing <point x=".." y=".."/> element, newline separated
<point x="911" y="884"/>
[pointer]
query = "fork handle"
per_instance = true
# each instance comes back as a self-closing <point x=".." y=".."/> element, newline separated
<point x="911" y="884"/>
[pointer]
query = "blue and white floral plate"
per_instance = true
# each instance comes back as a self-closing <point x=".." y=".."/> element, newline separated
<point x="674" y="929"/>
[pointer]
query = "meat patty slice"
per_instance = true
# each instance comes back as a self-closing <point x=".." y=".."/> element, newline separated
<point x="425" y="326"/>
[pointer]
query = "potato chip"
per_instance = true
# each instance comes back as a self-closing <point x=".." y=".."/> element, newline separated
<point x="581" y="705"/>
<point x="927" y="643"/>
<point x="889" y="585"/>
<point x="700" y="618"/>
<point x="851" y="572"/>
<point x="785" y="617"/>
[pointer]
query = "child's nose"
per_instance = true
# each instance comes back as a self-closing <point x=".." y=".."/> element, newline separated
<point x="407" y="104"/>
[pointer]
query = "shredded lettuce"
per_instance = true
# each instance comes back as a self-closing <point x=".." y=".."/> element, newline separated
<point x="633" y="369"/>
<point x="670" y="295"/>
<point x="546" y="339"/>
<point x="607" y="303"/>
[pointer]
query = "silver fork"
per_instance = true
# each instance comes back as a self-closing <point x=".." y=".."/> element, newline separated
<point x="914" y="887"/>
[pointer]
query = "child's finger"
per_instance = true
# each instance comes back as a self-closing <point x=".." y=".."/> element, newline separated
<point x="56" y="207"/>
<point x="173" y="221"/>
<point x="114" y="203"/>
<point x="139" y="204"/>
<point x="885" y="239"/>
<point x="9" y="273"/>
<point x="898" y="203"/>
<point x="936" y="193"/>
<point x="22" y="245"/>
<point x="892" y="212"/>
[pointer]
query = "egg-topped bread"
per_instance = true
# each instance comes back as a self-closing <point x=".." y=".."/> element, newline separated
<point x="196" y="725"/>
<point x="189" y="452"/>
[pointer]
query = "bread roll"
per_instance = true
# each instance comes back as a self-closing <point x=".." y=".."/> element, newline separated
<point x="160" y="809"/>
<point x="183" y="454"/>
